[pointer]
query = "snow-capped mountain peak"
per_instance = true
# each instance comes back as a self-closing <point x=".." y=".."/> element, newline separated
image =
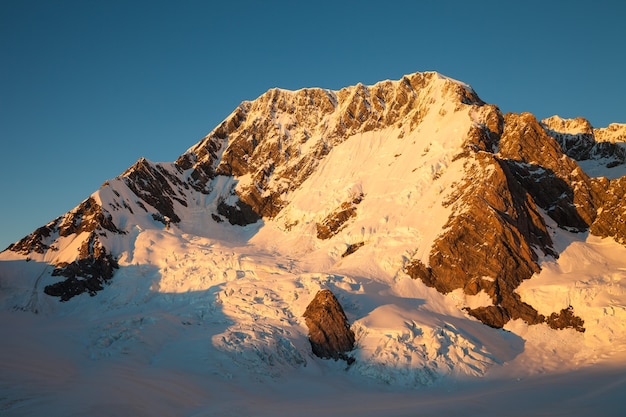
<point x="426" y="211"/>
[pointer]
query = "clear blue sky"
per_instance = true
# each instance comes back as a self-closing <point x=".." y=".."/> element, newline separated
<point x="88" y="87"/>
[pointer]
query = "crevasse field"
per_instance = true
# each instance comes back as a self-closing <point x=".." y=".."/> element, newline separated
<point x="218" y="332"/>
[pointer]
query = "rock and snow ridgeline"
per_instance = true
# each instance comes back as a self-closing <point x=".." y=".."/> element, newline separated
<point x="357" y="191"/>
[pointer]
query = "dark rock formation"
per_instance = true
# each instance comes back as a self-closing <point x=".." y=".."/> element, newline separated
<point x="265" y="137"/>
<point x="565" y="319"/>
<point x="489" y="244"/>
<point x="93" y="268"/>
<point x="352" y="247"/>
<point x="87" y="217"/>
<point x="555" y="181"/>
<point x="93" y="265"/>
<point x="150" y="183"/>
<point x="329" y="331"/>
<point x="84" y="275"/>
<point x="36" y="241"/>
<point x="240" y="214"/>
<point x="334" y="222"/>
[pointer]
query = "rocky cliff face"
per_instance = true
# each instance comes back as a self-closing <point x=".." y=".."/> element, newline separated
<point x="490" y="245"/>
<point x="494" y="243"/>
<point x="498" y="177"/>
<point x="92" y="265"/>
<point x="603" y="198"/>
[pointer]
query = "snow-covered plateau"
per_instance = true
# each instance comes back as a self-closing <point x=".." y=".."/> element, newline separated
<point x="203" y="314"/>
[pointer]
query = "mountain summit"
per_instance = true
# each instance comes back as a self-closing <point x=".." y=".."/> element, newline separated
<point x="393" y="195"/>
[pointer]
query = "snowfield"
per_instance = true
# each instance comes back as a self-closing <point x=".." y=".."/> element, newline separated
<point x="200" y="327"/>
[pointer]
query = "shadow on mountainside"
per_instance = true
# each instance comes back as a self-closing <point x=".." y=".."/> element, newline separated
<point x="554" y="195"/>
<point x="21" y="284"/>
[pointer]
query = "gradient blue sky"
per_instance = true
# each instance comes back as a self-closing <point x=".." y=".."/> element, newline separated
<point x="88" y="87"/>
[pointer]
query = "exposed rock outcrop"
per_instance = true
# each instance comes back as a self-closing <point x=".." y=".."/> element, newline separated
<point x="555" y="181"/>
<point x="337" y="219"/>
<point x="37" y="242"/>
<point x="156" y="186"/>
<point x="351" y="248"/>
<point x="93" y="265"/>
<point x="83" y="275"/>
<point x="579" y="140"/>
<point x="93" y="268"/>
<point x="240" y="214"/>
<point x="87" y="217"/>
<point x="329" y="330"/>
<point x="565" y="319"/>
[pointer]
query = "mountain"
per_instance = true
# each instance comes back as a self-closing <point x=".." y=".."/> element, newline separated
<point x="436" y="221"/>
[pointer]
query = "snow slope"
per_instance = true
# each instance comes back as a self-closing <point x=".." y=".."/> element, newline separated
<point x="204" y="327"/>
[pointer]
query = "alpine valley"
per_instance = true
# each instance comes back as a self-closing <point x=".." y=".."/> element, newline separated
<point x="464" y="260"/>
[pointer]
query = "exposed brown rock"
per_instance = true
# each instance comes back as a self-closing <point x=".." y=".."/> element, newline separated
<point x="240" y="214"/>
<point x="580" y="141"/>
<point x="87" y="217"/>
<point x="555" y="181"/>
<point x="266" y="205"/>
<point x="486" y="136"/>
<point x="491" y="235"/>
<point x="565" y="319"/>
<point x="515" y="168"/>
<point x="352" y="247"/>
<point x="93" y="265"/>
<point x="489" y="244"/>
<point x="333" y="223"/>
<point x="329" y="331"/>
<point x="204" y="156"/>
<point x="268" y="147"/>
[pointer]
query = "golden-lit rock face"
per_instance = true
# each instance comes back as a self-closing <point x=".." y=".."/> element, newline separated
<point x="280" y="138"/>
<point x="493" y="241"/>
<point x="489" y="243"/>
